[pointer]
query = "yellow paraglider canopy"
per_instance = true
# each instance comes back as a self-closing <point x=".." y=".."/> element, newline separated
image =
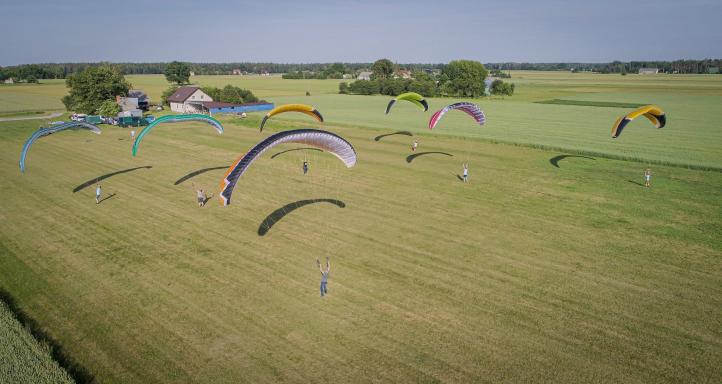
<point x="652" y="112"/>
<point x="303" y="108"/>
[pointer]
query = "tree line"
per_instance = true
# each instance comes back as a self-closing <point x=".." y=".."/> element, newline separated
<point x="32" y="72"/>
<point x="459" y="78"/>
<point x="676" y="66"/>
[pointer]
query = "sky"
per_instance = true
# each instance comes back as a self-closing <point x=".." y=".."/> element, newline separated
<point x="304" y="31"/>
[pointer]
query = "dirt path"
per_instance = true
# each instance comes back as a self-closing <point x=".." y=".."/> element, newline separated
<point x="50" y="116"/>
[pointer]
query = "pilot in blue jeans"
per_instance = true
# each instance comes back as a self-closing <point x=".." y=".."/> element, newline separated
<point x="324" y="275"/>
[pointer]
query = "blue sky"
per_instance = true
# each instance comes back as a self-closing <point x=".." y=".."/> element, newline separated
<point x="37" y="31"/>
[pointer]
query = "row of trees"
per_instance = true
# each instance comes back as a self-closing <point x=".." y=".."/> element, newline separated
<point x="677" y="66"/>
<point x="332" y="71"/>
<point x="28" y="72"/>
<point x="460" y="78"/>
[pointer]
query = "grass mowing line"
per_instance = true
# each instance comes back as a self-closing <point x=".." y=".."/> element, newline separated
<point x="584" y="103"/>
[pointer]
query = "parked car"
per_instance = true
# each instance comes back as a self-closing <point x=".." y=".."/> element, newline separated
<point x="159" y="108"/>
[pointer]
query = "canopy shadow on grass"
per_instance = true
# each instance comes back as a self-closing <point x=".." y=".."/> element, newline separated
<point x="107" y="175"/>
<point x="555" y="160"/>
<point x="404" y="133"/>
<point x="411" y="158"/>
<point x="295" y="149"/>
<point x="198" y="172"/>
<point x="280" y="213"/>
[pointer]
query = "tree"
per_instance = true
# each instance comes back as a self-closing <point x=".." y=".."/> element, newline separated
<point x="343" y="87"/>
<point x="177" y="72"/>
<point x="90" y="88"/>
<point x="109" y="108"/>
<point x="498" y="87"/>
<point x="167" y="93"/>
<point x="383" y="69"/>
<point x="465" y="78"/>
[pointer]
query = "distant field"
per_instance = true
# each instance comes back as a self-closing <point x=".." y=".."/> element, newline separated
<point x="692" y="103"/>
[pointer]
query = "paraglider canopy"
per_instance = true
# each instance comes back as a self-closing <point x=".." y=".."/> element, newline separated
<point x="412" y="97"/>
<point x="652" y="112"/>
<point x="470" y="109"/>
<point x="302" y="108"/>
<point x="326" y="141"/>
<point x="42" y="132"/>
<point x="176" y="119"/>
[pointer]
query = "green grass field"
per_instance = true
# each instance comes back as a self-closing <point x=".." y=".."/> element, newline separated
<point x="547" y="266"/>
<point x="24" y="360"/>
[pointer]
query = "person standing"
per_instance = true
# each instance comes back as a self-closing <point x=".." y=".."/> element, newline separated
<point x="647" y="177"/>
<point x="98" y="192"/>
<point x="324" y="275"/>
<point x="132" y="134"/>
<point x="305" y="167"/>
<point x="201" y="198"/>
<point x="466" y="171"/>
<point x="414" y="145"/>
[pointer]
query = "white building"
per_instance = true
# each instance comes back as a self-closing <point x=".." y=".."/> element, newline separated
<point x="648" y="71"/>
<point x="188" y="99"/>
<point x="364" y="75"/>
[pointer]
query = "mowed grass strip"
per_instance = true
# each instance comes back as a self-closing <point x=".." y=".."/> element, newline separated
<point x="584" y="103"/>
<point x="531" y="271"/>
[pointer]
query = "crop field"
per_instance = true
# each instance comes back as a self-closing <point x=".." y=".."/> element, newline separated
<point x="553" y="264"/>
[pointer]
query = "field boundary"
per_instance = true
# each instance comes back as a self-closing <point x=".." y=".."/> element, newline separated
<point x="584" y="103"/>
<point x="77" y="372"/>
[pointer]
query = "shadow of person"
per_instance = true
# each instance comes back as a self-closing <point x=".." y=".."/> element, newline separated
<point x="635" y="182"/>
<point x="412" y="157"/>
<point x="280" y="213"/>
<point x="555" y="160"/>
<point x="295" y="149"/>
<point x="196" y="173"/>
<point x="107" y="175"/>
<point x="206" y="199"/>
<point x="461" y="178"/>
<point x="106" y="198"/>
<point x="404" y="133"/>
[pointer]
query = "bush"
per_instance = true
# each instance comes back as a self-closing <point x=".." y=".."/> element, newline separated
<point x="364" y="87"/>
<point x="109" y="108"/>
<point x="498" y="87"/>
<point x="343" y="88"/>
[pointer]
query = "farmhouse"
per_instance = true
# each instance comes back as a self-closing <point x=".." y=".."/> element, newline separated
<point x="188" y="99"/>
<point x="648" y="71"/>
<point x="191" y="99"/>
